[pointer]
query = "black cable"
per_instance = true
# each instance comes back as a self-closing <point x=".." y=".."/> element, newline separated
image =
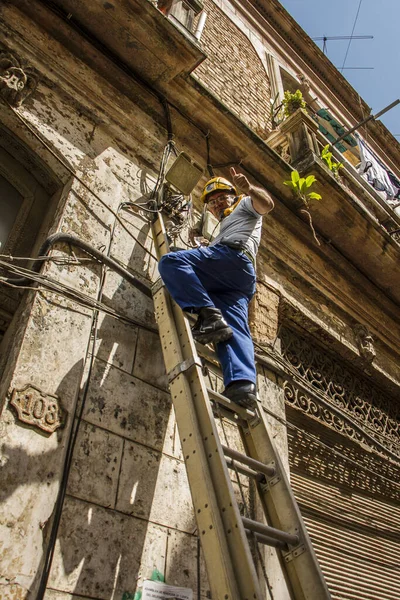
<point x="209" y="165"/>
<point x="165" y="104"/>
<point x="60" y="260"/>
<point x="55" y="287"/>
<point x="161" y="173"/>
<point x="76" y="422"/>
<point x="89" y="249"/>
<point x="139" y="207"/>
<point x="351" y="36"/>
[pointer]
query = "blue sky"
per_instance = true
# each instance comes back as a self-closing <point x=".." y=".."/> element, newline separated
<point x="380" y="86"/>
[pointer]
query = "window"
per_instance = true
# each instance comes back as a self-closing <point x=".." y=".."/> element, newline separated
<point x="10" y="204"/>
<point x="181" y="11"/>
<point x="27" y="202"/>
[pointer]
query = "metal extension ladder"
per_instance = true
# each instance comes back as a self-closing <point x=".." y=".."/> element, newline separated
<point x="222" y="530"/>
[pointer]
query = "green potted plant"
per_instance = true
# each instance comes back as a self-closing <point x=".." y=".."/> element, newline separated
<point x="291" y="102"/>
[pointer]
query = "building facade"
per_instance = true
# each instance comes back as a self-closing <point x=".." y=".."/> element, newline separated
<point x="94" y="495"/>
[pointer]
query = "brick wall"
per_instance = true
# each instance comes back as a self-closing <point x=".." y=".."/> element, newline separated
<point x="232" y="59"/>
<point x="263" y="315"/>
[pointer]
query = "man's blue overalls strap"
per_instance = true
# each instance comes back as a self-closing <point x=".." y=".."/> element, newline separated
<point x="223" y="277"/>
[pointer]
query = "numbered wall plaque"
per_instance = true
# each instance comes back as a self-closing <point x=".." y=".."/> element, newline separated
<point x="37" y="408"/>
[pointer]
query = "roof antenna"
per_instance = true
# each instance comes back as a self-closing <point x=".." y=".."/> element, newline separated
<point x="340" y="37"/>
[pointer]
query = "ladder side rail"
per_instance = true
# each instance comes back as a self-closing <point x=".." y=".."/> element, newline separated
<point x="300" y="562"/>
<point x="300" y="565"/>
<point x="227" y="554"/>
<point x="242" y="560"/>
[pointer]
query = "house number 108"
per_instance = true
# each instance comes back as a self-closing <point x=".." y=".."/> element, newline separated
<point x="36" y="408"/>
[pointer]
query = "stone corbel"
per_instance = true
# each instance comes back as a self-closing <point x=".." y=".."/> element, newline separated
<point x="300" y="131"/>
<point x="278" y="141"/>
<point x="365" y="343"/>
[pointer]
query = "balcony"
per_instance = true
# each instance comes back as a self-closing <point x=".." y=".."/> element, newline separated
<point x="351" y="215"/>
<point x="154" y="44"/>
<point x="182" y="14"/>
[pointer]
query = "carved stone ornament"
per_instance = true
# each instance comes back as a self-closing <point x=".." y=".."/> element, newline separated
<point x="17" y="79"/>
<point x="365" y="343"/>
<point x="304" y="84"/>
<point x="37" y="408"/>
<point x="326" y="390"/>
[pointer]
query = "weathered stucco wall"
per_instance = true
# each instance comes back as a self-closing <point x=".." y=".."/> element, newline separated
<point x="127" y="509"/>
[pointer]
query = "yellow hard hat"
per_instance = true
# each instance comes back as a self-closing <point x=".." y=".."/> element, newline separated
<point x="214" y="185"/>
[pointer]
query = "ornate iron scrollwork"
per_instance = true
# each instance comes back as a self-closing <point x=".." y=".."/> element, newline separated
<point x="336" y="396"/>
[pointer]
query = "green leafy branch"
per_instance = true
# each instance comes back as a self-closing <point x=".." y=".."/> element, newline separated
<point x="333" y="166"/>
<point x="290" y="103"/>
<point x="300" y="186"/>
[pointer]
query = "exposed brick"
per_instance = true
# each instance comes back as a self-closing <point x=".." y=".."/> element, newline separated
<point x="232" y="59"/>
<point x="263" y="315"/>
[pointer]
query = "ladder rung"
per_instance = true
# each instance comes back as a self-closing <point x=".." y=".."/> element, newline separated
<point x="210" y="359"/>
<point x="220" y="412"/>
<point x="231" y="464"/>
<point x="245" y="413"/>
<point x="258" y="466"/>
<point x="267" y="541"/>
<point x="207" y="353"/>
<point x="277" y="534"/>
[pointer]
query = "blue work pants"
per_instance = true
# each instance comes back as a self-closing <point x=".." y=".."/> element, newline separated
<point x="225" y="278"/>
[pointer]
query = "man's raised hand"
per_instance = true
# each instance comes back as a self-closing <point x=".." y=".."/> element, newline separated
<point x="240" y="181"/>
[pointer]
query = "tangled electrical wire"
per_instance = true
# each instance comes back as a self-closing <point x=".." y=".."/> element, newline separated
<point x="51" y="285"/>
<point x="164" y="198"/>
<point x="177" y="209"/>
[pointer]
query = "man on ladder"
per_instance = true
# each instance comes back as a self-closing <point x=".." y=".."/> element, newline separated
<point x="218" y="281"/>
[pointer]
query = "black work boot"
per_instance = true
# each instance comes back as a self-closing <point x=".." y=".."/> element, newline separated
<point x="241" y="392"/>
<point x="211" y="327"/>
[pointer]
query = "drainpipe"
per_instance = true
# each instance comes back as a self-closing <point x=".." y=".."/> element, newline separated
<point x="200" y="25"/>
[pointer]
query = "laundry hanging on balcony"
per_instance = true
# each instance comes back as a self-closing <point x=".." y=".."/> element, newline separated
<point x="395" y="183"/>
<point x="375" y="172"/>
